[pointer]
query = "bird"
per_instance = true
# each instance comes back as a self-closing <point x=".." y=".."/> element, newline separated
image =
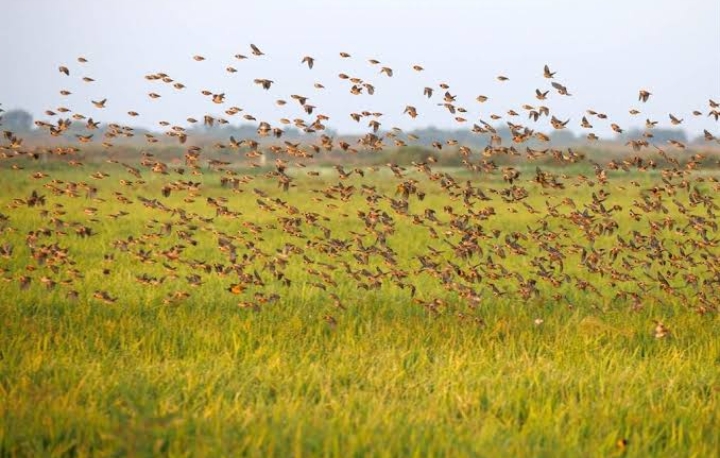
<point x="256" y="51"/>
<point x="237" y="288"/>
<point x="675" y="121"/>
<point x="661" y="331"/>
<point x="558" y="124"/>
<point x="309" y="60"/>
<point x="562" y="90"/>
<point x="331" y="321"/>
<point x="411" y="111"/>
<point x="547" y="73"/>
<point x="264" y="83"/>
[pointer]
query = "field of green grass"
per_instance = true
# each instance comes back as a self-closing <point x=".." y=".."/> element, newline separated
<point x="113" y="348"/>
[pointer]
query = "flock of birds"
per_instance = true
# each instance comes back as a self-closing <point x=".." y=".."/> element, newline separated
<point x="662" y="246"/>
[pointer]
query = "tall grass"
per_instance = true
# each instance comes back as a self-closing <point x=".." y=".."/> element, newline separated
<point x="205" y="377"/>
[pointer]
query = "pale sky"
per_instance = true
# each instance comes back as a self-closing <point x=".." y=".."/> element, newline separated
<point x="603" y="51"/>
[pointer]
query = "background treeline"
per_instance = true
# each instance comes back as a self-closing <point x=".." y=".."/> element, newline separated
<point x="215" y="141"/>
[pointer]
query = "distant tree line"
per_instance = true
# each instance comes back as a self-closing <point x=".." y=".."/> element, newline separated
<point x="16" y="121"/>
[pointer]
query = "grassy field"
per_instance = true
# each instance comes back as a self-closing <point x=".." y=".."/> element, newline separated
<point x="325" y="350"/>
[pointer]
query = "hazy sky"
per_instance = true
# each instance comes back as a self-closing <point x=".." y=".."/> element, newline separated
<point x="603" y="51"/>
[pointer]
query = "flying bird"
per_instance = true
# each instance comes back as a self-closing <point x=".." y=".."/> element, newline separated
<point x="309" y="60"/>
<point x="562" y="90"/>
<point x="387" y="70"/>
<point x="547" y="73"/>
<point x="256" y="51"/>
<point x="265" y="83"/>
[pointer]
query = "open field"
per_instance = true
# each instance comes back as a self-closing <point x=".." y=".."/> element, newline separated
<point x="360" y="229"/>
<point x="520" y="318"/>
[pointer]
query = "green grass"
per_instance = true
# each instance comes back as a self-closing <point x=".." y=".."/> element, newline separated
<point x="205" y="377"/>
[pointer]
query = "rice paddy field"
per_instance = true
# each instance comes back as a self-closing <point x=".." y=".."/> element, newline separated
<point x="442" y="313"/>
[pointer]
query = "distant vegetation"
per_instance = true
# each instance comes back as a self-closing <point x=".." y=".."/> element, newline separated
<point x="21" y="121"/>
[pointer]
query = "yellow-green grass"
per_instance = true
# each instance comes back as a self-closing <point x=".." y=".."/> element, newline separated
<point x="205" y="377"/>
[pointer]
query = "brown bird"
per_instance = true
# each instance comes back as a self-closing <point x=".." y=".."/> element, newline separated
<point x="309" y="60"/>
<point x="562" y="90"/>
<point x="675" y="121"/>
<point x="331" y="321"/>
<point x="644" y="95"/>
<point x="237" y="288"/>
<point x="104" y="296"/>
<point x="547" y="73"/>
<point x="661" y="331"/>
<point x="64" y="69"/>
<point x="264" y="83"/>
<point x="557" y="124"/>
<point x="411" y="111"/>
<point x="256" y="51"/>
